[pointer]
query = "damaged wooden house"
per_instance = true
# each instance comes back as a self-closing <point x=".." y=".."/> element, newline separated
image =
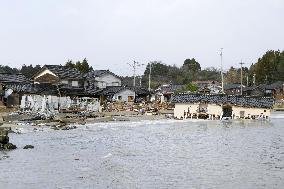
<point x="10" y="97"/>
<point x="57" y="87"/>
<point x="106" y="86"/>
<point x="54" y="87"/>
<point x="221" y="106"/>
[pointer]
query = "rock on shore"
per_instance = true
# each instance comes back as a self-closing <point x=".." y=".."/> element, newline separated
<point x="4" y="139"/>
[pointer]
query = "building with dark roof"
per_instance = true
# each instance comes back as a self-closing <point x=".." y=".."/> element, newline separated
<point x="219" y="106"/>
<point x="275" y="90"/>
<point x="165" y="92"/>
<point x="13" y="78"/>
<point x="124" y="94"/>
<point x="60" y="75"/>
<point x="10" y="79"/>
<point x="102" y="79"/>
<point x="233" y="88"/>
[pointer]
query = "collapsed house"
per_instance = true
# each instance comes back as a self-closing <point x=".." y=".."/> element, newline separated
<point x="220" y="106"/>
<point x="54" y="87"/>
<point x="106" y="86"/>
<point x="275" y="90"/>
<point x="123" y="94"/>
<point x="208" y="86"/>
<point x="57" y="87"/>
<point x="9" y="97"/>
<point x="165" y="92"/>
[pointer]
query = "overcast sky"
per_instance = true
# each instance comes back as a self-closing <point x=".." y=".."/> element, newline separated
<point x="111" y="33"/>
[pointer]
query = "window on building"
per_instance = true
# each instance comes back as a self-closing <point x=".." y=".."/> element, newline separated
<point x="64" y="82"/>
<point x="75" y="84"/>
<point x="102" y="84"/>
<point x="130" y="98"/>
<point x="115" y="84"/>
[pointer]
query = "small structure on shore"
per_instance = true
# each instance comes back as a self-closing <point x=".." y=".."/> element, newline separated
<point x="221" y="106"/>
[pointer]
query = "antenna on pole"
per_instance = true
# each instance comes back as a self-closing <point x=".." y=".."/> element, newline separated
<point x="134" y="71"/>
<point x="222" y="76"/>
<point x="241" y="63"/>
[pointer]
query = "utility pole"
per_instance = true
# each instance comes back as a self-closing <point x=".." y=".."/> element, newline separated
<point x="134" y="70"/>
<point x="222" y="76"/>
<point x="149" y="88"/>
<point x="242" y="77"/>
<point x="254" y="79"/>
<point x="140" y="81"/>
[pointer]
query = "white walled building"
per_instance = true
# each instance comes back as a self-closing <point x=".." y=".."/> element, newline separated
<point x="218" y="106"/>
<point x="102" y="79"/>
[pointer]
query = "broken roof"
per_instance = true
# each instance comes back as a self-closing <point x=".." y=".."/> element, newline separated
<point x="232" y="86"/>
<point x="13" y="78"/>
<point x="109" y="91"/>
<point x="260" y="102"/>
<point x="170" y="88"/>
<point x="98" y="73"/>
<point x="63" y="72"/>
<point x="29" y="88"/>
<point x="275" y="85"/>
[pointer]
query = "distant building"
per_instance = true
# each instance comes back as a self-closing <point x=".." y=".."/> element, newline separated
<point x="208" y="86"/>
<point x="10" y="97"/>
<point x="122" y="94"/>
<point x="275" y="90"/>
<point x="233" y="89"/>
<point x="59" y="75"/>
<point x="102" y="79"/>
<point x="219" y="106"/>
<point x="165" y="92"/>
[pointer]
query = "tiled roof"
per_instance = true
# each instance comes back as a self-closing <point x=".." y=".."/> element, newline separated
<point x="233" y="86"/>
<point x="276" y="85"/>
<point x="205" y="82"/>
<point x="170" y="88"/>
<point x="261" y="102"/>
<point x="98" y="73"/>
<point x="116" y="89"/>
<point x="13" y="78"/>
<point x="33" y="89"/>
<point x="46" y="89"/>
<point x="64" y="72"/>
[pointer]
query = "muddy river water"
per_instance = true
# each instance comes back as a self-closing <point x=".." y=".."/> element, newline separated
<point x="149" y="154"/>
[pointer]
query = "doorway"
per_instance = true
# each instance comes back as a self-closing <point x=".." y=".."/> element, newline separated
<point x="227" y="111"/>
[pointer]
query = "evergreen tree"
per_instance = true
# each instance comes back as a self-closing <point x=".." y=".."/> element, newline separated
<point x="81" y="66"/>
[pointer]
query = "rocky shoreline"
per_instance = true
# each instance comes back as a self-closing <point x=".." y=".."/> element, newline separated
<point x="19" y="123"/>
<point x="66" y="121"/>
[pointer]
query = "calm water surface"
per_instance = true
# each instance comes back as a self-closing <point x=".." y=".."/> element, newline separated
<point x="149" y="154"/>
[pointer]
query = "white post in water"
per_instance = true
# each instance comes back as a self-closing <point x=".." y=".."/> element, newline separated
<point x="222" y="76"/>
<point x="242" y="77"/>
